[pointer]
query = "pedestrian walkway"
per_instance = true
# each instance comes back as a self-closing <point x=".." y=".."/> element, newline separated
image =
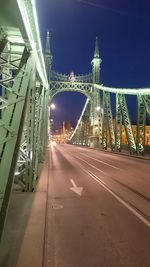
<point x="23" y="238"/>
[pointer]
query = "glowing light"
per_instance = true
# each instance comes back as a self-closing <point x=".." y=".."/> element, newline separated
<point x="53" y="106"/>
<point x="17" y="173"/>
<point x="98" y="108"/>
<point x="54" y="143"/>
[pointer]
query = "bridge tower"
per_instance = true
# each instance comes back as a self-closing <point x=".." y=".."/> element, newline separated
<point x="95" y="105"/>
<point x="96" y="62"/>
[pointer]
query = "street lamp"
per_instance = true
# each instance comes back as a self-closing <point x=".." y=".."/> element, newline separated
<point x="98" y="108"/>
<point x="52" y="106"/>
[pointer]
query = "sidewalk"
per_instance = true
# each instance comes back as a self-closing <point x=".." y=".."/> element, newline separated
<point x="23" y="238"/>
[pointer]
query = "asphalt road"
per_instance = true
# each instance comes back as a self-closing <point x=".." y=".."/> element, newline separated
<point x="98" y="209"/>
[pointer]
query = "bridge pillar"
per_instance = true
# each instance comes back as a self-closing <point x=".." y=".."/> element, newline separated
<point x="95" y="105"/>
<point x="95" y="116"/>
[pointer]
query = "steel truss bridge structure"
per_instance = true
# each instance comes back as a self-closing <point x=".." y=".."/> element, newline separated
<point x="28" y="84"/>
<point x="98" y="126"/>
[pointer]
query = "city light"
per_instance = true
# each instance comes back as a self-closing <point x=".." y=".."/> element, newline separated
<point x="98" y="108"/>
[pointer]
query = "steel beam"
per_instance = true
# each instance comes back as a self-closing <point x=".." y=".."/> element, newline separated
<point x="127" y="123"/>
<point x="108" y="121"/>
<point x="141" y="121"/>
<point x="118" y="126"/>
<point x="11" y="127"/>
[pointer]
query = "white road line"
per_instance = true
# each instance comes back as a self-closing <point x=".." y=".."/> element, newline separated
<point x="103" y="162"/>
<point x="89" y="164"/>
<point x="128" y="206"/>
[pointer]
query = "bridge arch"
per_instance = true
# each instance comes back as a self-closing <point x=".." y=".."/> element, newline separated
<point x="56" y="92"/>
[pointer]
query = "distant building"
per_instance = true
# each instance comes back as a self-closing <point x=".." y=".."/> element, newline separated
<point x="134" y="128"/>
<point x="62" y="135"/>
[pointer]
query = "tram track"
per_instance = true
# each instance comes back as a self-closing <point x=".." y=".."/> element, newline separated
<point x="135" y="209"/>
<point x="131" y="189"/>
<point x="103" y="216"/>
<point x="140" y="214"/>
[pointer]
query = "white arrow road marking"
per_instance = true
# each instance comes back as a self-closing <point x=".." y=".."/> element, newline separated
<point x="75" y="188"/>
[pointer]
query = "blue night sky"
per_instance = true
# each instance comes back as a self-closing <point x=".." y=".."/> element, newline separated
<point x="123" y="27"/>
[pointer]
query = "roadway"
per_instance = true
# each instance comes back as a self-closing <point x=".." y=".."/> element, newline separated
<point x="90" y="209"/>
<point x="98" y="209"/>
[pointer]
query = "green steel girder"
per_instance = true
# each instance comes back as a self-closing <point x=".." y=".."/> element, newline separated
<point x="3" y="45"/>
<point x="45" y="121"/>
<point x="104" y="124"/>
<point x="108" y="121"/>
<point x="95" y="105"/>
<point x="141" y="120"/>
<point x="81" y="133"/>
<point x="30" y="128"/>
<point x="11" y="127"/>
<point x="55" y="76"/>
<point x="146" y="100"/>
<point x="34" y="138"/>
<point x="57" y="87"/>
<point x="118" y="126"/>
<point x="123" y="91"/>
<point x="94" y="118"/>
<point x="127" y="123"/>
<point x="101" y="128"/>
<point x="87" y="124"/>
<point x="21" y="114"/>
<point x="81" y="87"/>
<point x="40" y="124"/>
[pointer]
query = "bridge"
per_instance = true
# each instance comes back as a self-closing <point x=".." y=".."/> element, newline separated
<point x="28" y="84"/>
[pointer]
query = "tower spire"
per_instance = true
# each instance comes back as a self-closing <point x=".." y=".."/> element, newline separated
<point x="47" y="47"/>
<point x="96" y="61"/>
<point x="96" y="52"/>
<point x="48" y="56"/>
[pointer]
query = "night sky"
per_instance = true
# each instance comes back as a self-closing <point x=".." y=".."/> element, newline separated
<point x="123" y="27"/>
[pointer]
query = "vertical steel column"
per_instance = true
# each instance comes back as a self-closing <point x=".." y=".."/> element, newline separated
<point x="6" y="74"/>
<point x="146" y="100"/>
<point x="118" y="126"/>
<point x="127" y="124"/>
<point x="30" y="128"/>
<point x="45" y="120"/>
<point x="104" y="122"/>
<point x="11" y="130"/>
<point x="108" y="120"/>
<point x="141" y="121"/>
<point x="87" y="123"/>
<point x="100" y="127"/>
<point x="39" y="130"/>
